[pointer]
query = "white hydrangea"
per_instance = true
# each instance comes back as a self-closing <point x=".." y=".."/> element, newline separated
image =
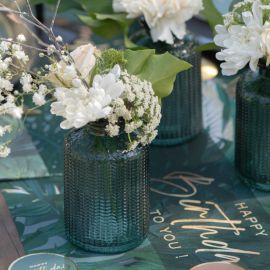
<point x="79" y="106"/>
<point x="165" y="18"/>
<point x="244" y="37"/>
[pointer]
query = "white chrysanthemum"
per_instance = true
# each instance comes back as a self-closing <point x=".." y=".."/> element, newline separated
<point x="242" y="43"/>
<point x="165" y="18"/>
<point x="80" y="106"/>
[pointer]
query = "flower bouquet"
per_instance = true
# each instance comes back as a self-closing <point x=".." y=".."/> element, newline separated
<point x="110" y="101"/>
<point x="245" y="40"/>
<point x="160" y="25"/>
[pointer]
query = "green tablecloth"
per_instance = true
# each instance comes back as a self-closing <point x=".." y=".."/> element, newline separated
<point x="200" y="211"/>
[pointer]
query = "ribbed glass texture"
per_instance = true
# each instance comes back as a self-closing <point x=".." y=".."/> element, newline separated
<point x="252" y="152"/>
<point x="182" y="110"/>
<point x="106" y="192"/>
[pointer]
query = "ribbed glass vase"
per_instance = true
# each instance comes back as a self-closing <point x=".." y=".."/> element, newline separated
<point x="182" y="111"/>
<point x="106" y="193"/>
<point x="252" y="151"/>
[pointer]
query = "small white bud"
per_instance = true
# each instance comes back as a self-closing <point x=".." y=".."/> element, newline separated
<point x="21" y="38"/>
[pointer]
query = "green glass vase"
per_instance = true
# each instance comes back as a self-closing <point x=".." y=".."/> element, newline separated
<point x="252" y="150"/>
<point x="106" y="193"/>
<point x="182" y="111"/>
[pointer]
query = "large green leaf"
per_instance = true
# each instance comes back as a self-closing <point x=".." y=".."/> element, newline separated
<point x="161" y="70"/>
<point x="106" y="25"/>
<point x="137" y="60"/>
<point x="211" y="13"/>
<point x="107" y="28"/>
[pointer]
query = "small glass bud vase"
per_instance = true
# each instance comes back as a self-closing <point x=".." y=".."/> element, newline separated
<point x="182" y="111"/>
<point x="252" y="150"/>
<point x="106" y="193"/>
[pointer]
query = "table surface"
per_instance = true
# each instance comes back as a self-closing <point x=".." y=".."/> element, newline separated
<point x="200" y="210"/>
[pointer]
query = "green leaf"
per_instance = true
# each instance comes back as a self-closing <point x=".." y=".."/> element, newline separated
<point x="96" y="6"/>
<point x="106" y="28"/>
<point x="160" y="70"/>
<point x="206" y="47"/>
<point x="136" y="60"/>
<point x="106" y="25"/>
<point x="212" y="15"/>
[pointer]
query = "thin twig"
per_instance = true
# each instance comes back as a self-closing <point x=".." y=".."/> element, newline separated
<point x="39" y="41"/>
<point x="55" y="14"/>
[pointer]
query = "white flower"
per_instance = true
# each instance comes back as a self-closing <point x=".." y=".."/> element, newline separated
<point x="59" y="39"/>
<point x="84" y="59"/>
<point x="5" y="46"/>
<point x="6" y="85"/>
<point x="242" y="42"/>
<point x="112" y="130"/>
<point x="21" y="38"/>
<point x="39" y="99"/>
<point x="265" y="43"/>
<point x="165" y="18"/>
<point x="26" y="81"/>
<point x="141" y="115"/>
<point x="42" y="89"/>
<point x="20" y="55"/>
<point x="69" y="73"/>
<point x="16" y="112"/>
<point x="51" y="49"/>
<point x="4" y="151"/>
<point x="80" y="106"/>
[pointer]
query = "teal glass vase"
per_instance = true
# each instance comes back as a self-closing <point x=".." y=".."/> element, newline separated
<point x="106" y="196"/>
<point x="182" y="118"/>
<point x="252" y="149"/>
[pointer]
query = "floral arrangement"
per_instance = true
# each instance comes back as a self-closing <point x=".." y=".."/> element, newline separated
<point x="120" y="88"/>
<point x="165" y="19"/>
<point x="244" y="36"/>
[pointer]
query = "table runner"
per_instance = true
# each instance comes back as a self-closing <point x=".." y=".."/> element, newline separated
<point x="200" y="210"/>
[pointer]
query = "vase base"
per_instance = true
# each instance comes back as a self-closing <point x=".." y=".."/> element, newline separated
<point x="173" y="141"/>
<point x="255" y="184"/>
<point x="108" y="249"/>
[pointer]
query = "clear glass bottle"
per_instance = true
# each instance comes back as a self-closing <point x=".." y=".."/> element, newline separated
<point x="252" y="150"/>
<point x="106" y="191"/>
<point x="182" y="117"/>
